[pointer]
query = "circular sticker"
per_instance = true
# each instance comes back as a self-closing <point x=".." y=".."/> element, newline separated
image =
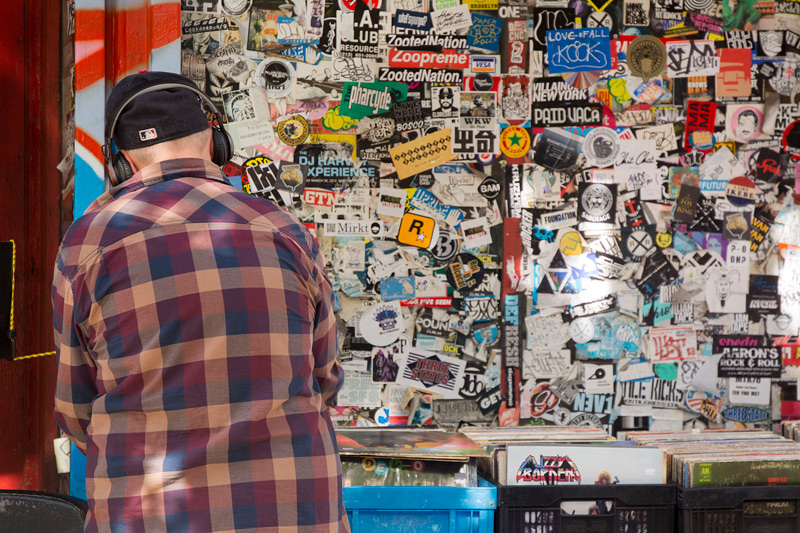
<point x="473" y="383"/>
<point x="571" y="243"/>
<point x="702" y="140"/>
<point x="490" y="188"/>
<point x="446" y="246"/>
<point x="234" y="8"/>
<point x="382" y="416"/>
<point x="581" y="330"/>
<point x="601" y="147"/>
<point x="561" y="416"/>
<point x="515" y="142"/>
<point x="664" y="240"/>
<point x="277" y="76"/>
<point x="486" y="159"/>
<point x="293" y="130"/>
<point x="741" y="191"/>
<point x="465" y="272"/>
<point x="382" y="324"/>
<point x="791" y="139"/>
<point x="483" y="82"/>
<point x="587" y="419"/>
<point x="646" y="57"/>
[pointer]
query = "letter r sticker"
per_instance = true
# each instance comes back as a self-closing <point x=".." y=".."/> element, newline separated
<point x="416" y="230"/>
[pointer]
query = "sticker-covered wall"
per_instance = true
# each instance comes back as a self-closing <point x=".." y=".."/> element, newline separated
<point x="568" y="213"/>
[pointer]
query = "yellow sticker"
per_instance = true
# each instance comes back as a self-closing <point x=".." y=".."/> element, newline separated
<point x="422" y="154"/>
<point x="515" y="142"/>
<point x="571" y="243"/>
<point x="663" y="240"/>
<point x="416" y="230"/>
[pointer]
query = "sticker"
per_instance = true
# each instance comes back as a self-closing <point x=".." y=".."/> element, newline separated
<point x="581" y="330"/>
<point x="557" y="149"/>
<point x="439" y="374"/>
<point x="490" y="188"/>
<point x="397" y="288"/>
<point x="446" y="246"/>
<point x="573" y="115"/>
<point x="743" y="123"/>
<point x="424" y="59"/>
<point x="452" y="19"/>
<point x="446" y="102"/>
<point x="416" y="230"/>
<point x="693" y="58"/>
<point x="465" y="272"/>
<point x="601" y="147"/>
<point x="277" y="76"/>
<point x="646" y="55"/>
<point x="578" y="50"/>
<point x="741" y="191"/>
<point x="291" y="178"/>
<point x="234" y="8"/>
<point x="422" y="154"/>
<point x="746" y="415"/>
<point x="382" y="324"/>
<point x="484" y="33"/>
<point x="597" y="202"/>
<point x="747" y="356"/>
<point x="353" y="228"/>
<point x="515" y="142"/>
<point x="734" y="77"/>
<point x="361" y="100"/>
<point x="476" y="232"/>
<point x="293" y="130"/>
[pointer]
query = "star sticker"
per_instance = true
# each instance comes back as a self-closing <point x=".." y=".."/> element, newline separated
<point x="515" y="139"/>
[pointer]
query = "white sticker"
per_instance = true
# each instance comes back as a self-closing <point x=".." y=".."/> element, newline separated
<point x="749" y="391"/>
<point x="382" y="324"/>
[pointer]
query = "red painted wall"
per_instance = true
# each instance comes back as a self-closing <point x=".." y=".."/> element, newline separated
<point x="30" y="204"/>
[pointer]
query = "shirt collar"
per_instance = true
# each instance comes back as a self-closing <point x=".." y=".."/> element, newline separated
<point x="161" y="172"/>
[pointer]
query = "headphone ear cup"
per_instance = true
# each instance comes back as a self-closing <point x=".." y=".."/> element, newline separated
<point x="123" y="171"/>
<point x="223" y="146"/>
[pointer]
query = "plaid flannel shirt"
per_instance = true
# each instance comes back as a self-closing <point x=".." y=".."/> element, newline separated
<point x="197" y="352"/>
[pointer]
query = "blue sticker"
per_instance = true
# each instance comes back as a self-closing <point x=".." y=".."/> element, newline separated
<point x="578" y="50"/>
<point x="397" y="288"/>
<point x="485" y="32"/>
<point x="413" y="20"/>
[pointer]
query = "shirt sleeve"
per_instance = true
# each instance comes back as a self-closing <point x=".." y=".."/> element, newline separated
<point x="327" y="370"/>
<point x="75" y="382"/>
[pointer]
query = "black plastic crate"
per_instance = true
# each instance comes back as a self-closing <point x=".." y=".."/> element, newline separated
<point x="630" y="509"/>
<point x="739" y="510"/>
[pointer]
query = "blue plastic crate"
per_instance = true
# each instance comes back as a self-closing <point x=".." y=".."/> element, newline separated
<point x="421" y="509"/>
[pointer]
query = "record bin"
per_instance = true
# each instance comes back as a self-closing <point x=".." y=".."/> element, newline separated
<point x="739" y="509"/>
<point x="586" y="509"/>
<point x="421" y="509"/>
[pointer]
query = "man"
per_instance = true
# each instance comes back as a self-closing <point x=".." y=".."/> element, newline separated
<point x="197" y="342"/>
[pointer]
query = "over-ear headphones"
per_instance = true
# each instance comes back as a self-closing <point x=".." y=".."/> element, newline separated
<point x="120" y="169"/>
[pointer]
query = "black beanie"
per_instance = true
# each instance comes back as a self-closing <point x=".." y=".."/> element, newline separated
<point x="154" y="117"/>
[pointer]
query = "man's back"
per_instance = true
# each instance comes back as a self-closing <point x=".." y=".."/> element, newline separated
<point x="198" y="350"/>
